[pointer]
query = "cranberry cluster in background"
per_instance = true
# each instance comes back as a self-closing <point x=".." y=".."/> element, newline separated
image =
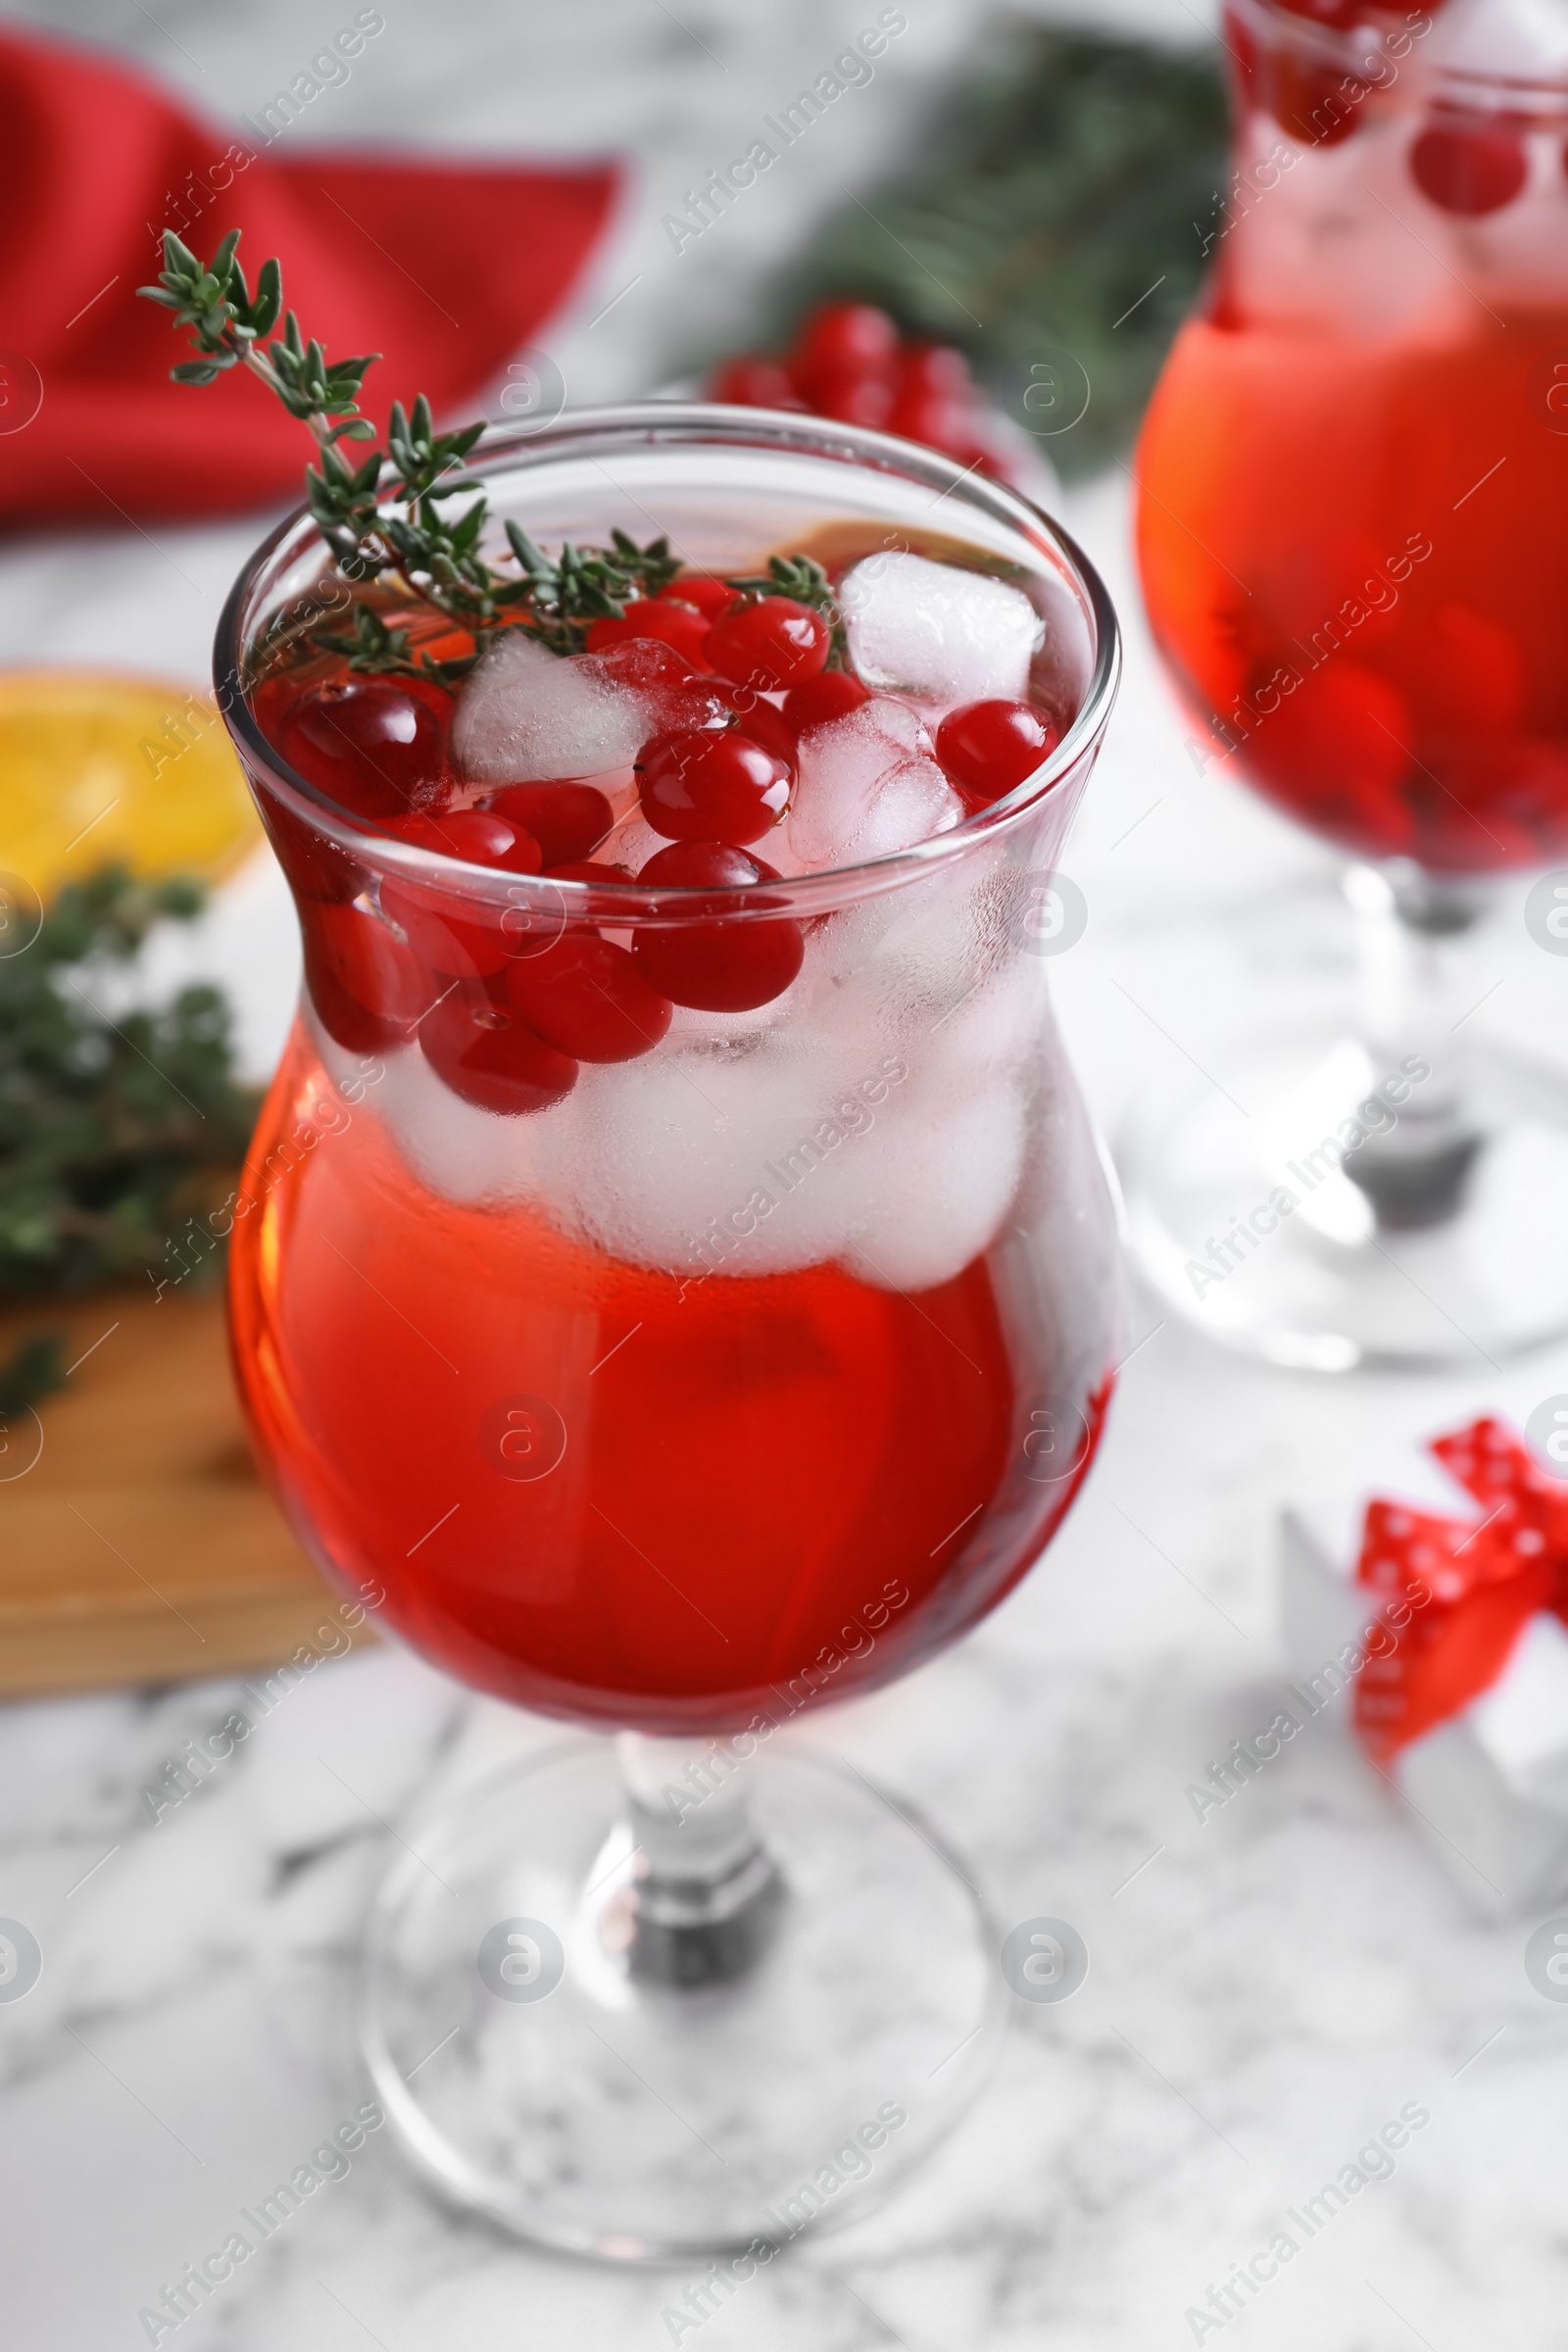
<point x="508" y="1003"/>
<point x="1466" y="161"/>
<point x="848" y="362"/>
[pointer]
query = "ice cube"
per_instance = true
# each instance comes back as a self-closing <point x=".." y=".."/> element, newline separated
<point x="703" y="1164"/>
<point x="1526" y="40"/>
<point x="1332" y="251"/>
<point x="936" y="632"/>
<point x="728" y="1033"/>
<point x="953" y="1145"/>
<point x="865" y="787"/>
<point x="526" y="714"/>
<point x="738" y="1157"/>
<point x="459" y="1151"/>
<point x="673" y="696"/>
<point x="913" y="801"/>
<point x="940" y="1198"/>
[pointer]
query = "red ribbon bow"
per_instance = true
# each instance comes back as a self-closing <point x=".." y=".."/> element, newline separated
<point x="1470" y="1585"/>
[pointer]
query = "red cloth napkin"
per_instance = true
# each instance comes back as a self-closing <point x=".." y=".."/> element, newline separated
<point x="446" y="269"/>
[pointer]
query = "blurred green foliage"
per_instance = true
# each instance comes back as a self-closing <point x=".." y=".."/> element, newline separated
<point x="34" y="1368"/>
<point x="1064" y="186"/>
<point x="112" y="1132"/>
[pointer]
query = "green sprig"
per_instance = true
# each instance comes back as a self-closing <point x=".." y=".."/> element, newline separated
<point x="568" y="593"/>
<point x="111" y="1132"/>
<point x="433" y="557"/>
<point x="377" y="650"/>
<point x="387" y="519"/>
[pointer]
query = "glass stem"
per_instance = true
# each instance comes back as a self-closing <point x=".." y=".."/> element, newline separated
<point x="708" y="1892"/>
<point x="1414" y="1170"/>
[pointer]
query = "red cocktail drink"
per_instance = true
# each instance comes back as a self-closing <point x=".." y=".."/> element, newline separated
<point x="630" y="1494"/>
<point x="674" y="1264"/>
<point x="1354" y="470"/>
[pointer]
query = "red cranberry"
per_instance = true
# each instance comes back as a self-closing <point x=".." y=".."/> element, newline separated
<point x="488" y="1056"/>
<point x="681" y="626"/>
<point x="1313" y="100"/>
<point x="937" y="421"/>
<point x="987" y="747"/>
<point x="709" y="596"/>
<point x="566" y="821"/>
<point x="705" y="866"/>
<point x="773" y="643"/>
<point x="1515" y="785"/>
<point x="854" y="398"/>
<point x="581" y="869"/>
<point x="446" y="933"/>
<point x="718" y="965"/>
<point x="317" y="868"/>
<point x="589" y="999"/>
<point x="842" y="338"/>
<point x="1335" y="754"/>
<point x="1239" y="40"/>
<point x="762" y="721"/>
<point x="675" y="697"/>
<point x="478" y="836"/>
<point x="367" y="743"/>
<point x="645" y="664"/>
<point x="706" y="786"/>
<point x="1342" y="15"/>
<point x="1469" y="167"/>
<point x="822" y="699"/>
<point x="755" y="382"/>
<point x="368" y="989"/>
<point x="934" y="367"/>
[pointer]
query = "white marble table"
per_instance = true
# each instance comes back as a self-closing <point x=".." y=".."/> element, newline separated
<point x="1266" y="1989"/>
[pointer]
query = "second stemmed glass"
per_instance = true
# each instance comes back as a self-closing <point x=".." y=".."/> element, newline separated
<point x="1353" y="502"/>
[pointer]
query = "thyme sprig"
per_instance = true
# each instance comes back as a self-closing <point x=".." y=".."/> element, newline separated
<point x="386" y="517"/>
<point x="568" y="592"/>
<point x="799" y="576"/>
<point x="414" y="542"/>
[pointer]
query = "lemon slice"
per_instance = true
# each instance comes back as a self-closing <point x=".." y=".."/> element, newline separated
<point x="95" y="768"/>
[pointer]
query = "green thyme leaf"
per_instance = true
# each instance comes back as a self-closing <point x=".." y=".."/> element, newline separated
<point x="796" y="576"/>
<point x="371" y="647"/>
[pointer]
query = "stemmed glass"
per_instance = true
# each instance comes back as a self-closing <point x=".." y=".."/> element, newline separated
<point x="1353" y="511"/>
<point x="748" y="1377"/>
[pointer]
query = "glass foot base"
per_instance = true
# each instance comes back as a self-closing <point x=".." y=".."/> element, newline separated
<point x="1242" y="1217"/>
<point x="543" y="2066"/>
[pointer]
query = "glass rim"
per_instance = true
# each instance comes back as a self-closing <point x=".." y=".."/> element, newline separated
<point x="648" y="421"/>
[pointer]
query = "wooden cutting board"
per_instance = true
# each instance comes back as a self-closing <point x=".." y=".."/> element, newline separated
<point x="137" y="1542"/>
